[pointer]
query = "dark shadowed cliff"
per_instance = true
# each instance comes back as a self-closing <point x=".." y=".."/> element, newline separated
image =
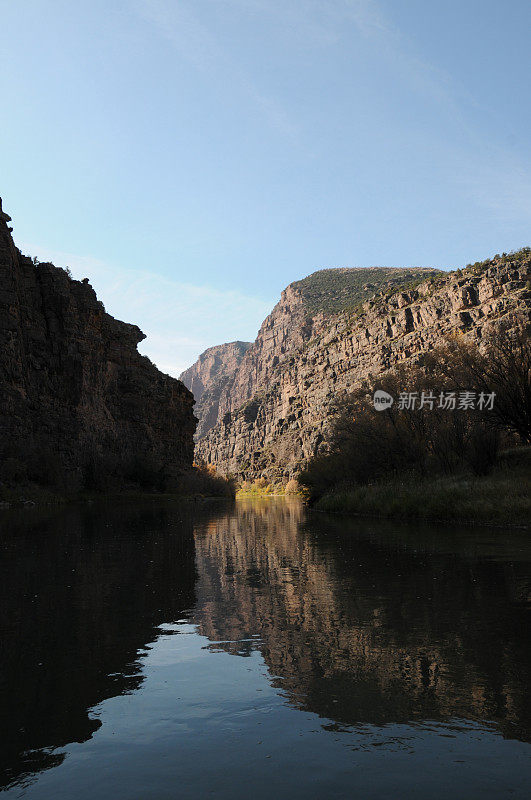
<point x="79" y="406"/>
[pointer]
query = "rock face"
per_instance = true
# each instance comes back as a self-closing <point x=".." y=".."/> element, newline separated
<point x="209" y="376"/>
<point x="76" y="397"/>
<point x="274" y="414"/>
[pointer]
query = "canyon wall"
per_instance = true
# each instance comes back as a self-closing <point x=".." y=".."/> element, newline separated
<point x="208" y="378"/>
<point x="274" y="414"/>
<point x="78" y="403"/>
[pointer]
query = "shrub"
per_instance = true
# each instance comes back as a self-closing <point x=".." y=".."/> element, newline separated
<point x="483" y="447"/>
<point x="367" y="446"/>
<point x="292" y="487"/>
<point x="505" y="368"/>
<point x="203" y="480"/>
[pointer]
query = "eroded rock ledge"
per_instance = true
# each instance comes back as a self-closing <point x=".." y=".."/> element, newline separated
<point x="273" y="415"/>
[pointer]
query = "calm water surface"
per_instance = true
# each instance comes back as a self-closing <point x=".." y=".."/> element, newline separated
<point x="159" y="650"/>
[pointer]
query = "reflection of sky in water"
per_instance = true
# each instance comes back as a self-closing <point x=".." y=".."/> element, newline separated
<point x="206" y="722"/>
<point x="278" y="657"/>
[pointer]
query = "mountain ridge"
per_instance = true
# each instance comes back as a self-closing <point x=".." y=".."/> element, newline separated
<point x="272" y="416"/>
<point x="326" y="292"/>
<point x="333" y="289"/>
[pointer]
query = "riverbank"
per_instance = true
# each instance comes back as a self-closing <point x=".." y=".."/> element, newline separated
<point x="196" y="483"/>
<point x="31" y="495"/>
<point x="261" y="488"/>
<point x="503" y="498"/>
<point x="42" y="498"/>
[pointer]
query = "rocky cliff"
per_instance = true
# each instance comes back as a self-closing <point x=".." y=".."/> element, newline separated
<point x="333" y="330"/>
<point x="78" y="404"/>
<point x="209" y="376"/>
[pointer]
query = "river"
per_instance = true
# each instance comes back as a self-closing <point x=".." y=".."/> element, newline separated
<point x="162" y="649"/>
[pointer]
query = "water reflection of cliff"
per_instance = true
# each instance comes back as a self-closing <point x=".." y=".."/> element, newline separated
<point x="81" y="591"/>
<point x="361" y="626"/>
<point x="363" y="629"/>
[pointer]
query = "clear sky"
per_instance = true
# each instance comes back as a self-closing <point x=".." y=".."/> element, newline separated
<point x="193" y="157"/>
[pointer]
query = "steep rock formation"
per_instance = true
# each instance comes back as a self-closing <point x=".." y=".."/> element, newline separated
<point x="304" y="310"/>
<point x="274" y="415"/>
<point x="209" y="376"/>
<point x="75" y="394"/>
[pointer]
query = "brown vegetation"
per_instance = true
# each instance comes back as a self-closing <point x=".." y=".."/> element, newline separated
<point x="371" y="447"/>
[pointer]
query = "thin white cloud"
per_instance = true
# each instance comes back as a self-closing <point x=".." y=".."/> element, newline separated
<point x="492" y="176"/>
<point x="315" y="23"/>
<point x="318" y="21"/>
<point x="178" y="23"/>
<point x="500" y="182"/>
<point x="180" y="320"/>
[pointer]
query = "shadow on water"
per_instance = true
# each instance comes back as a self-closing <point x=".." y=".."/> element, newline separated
<point x="362" y="623"/>
<point x="82" y="590"/>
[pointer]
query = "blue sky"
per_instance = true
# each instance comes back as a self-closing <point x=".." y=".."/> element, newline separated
<point x="193" y="157"/>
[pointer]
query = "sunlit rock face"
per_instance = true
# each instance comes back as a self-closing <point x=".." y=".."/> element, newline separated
<point x="325" y="337"/>
<point x="73" y="388"/>
<point x="208" y="378"/>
